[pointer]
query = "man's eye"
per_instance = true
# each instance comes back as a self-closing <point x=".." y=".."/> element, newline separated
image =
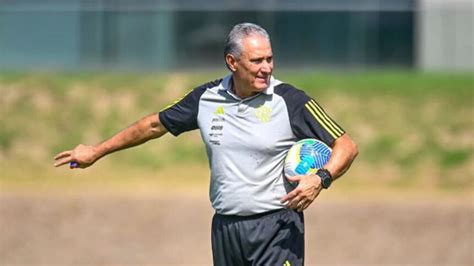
<point x="256" y="61"/>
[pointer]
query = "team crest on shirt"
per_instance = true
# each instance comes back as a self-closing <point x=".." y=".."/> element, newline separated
<point x="263" y="113"/>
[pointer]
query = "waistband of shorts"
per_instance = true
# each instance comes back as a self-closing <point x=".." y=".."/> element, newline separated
<point x="250" y="217"/>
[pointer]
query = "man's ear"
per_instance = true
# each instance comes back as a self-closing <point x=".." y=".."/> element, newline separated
<point x="231" y="62"/>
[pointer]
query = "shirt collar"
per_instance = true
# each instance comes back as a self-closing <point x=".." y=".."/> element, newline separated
<point x="226" y="85"/>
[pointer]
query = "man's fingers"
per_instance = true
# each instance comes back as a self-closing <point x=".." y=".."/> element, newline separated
<point x="302" y="196"/>
<point x="62" y="155"/>
<point x="63" y="161"/>
<point x="290" y="196"/>
<point x="294" y="203"/>
<point x="299" y="207"/>
<point x="304" y="206"/>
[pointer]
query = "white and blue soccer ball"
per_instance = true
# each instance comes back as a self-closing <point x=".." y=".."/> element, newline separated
<point x="306" y="157"/>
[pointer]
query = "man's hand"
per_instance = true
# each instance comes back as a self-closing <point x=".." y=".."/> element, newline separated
<point x="83" y="155"/>
<point x="304" y="194"/>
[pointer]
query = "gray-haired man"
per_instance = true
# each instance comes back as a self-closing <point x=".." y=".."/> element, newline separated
<point x="248" y="121"/>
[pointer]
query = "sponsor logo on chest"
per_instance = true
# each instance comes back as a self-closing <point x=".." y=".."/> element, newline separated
<point x="217" y="126"/>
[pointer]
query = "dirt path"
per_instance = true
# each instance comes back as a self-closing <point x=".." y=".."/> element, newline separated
<point x="145" y="230"/>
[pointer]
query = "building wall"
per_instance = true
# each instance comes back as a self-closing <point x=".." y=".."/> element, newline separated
<point x="46" y="39"/>
<point x="445" y="35"/>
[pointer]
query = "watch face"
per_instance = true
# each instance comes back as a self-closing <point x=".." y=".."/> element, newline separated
<point x="325" y="178"/>
<point x="326" y="182"/>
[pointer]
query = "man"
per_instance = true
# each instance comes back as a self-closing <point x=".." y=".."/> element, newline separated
<point x="248" y="121"/>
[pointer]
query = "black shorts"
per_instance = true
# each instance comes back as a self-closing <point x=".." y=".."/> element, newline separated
<point x="273" y="238"/>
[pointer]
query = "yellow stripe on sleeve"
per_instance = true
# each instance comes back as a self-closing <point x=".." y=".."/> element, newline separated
<point x="175" y="102"/>
<point x="321" y="122"/>
<point x="325" y="115"/>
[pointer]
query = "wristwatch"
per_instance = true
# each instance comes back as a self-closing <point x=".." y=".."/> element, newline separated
<point x="326" y="178"/>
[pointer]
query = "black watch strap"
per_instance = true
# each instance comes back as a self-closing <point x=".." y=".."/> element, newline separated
<point x="326" y="178"/>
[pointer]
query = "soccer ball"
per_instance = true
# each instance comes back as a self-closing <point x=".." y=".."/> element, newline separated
<point x="306" y="157"/>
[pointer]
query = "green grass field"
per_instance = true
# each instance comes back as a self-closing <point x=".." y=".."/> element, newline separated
<point x="414" y="130"/>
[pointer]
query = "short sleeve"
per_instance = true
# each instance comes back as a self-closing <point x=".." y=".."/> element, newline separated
<point x="181" y="116"/>
<point x="307" y="118"/>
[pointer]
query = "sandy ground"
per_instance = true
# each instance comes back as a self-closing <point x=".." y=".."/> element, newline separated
<point x="85" y="229"/>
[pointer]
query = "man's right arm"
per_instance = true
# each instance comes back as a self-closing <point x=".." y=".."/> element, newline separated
<point x="145" y="129"/>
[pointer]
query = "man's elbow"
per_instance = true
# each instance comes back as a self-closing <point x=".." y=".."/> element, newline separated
<point x="354" y="150"/>
<point x="351" y="147"/>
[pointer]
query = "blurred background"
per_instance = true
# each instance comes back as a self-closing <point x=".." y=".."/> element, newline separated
<point x="183" y="34"/>
<point x="398" y="75"/>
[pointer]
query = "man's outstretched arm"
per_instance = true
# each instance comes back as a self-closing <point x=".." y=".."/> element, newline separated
<point x="145" y="129"/>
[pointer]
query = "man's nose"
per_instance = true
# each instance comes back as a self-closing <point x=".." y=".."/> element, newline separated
<point x="267" y="67"/>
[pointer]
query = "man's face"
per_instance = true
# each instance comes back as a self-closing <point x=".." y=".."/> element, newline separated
<point x="255" y="65"/>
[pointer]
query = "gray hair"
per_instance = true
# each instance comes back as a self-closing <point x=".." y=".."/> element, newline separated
<point x="233" y="42"/>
